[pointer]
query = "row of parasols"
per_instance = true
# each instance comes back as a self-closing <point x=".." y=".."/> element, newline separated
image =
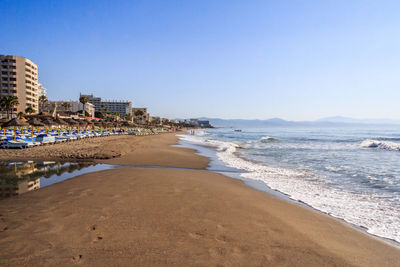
<point x="58" y="122"/>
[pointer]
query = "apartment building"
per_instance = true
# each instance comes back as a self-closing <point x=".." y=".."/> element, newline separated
<point x="111" y="106"/>
<point x="19" y="77"/>
<point x="68" y="106"/>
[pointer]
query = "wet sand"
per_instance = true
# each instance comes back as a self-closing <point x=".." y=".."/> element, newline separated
<point x="150" y="217"/>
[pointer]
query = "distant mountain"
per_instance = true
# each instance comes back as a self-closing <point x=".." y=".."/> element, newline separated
<point x="216" y="122"/>
<point x="339" y="119"/>
<point x="330" y="121"/>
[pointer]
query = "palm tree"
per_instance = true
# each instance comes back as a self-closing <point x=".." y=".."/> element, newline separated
<point x="83" y="100"/>
<point x="29" y="109"/>
<point x="9" y="102"/>
<point x="42" y="100"/>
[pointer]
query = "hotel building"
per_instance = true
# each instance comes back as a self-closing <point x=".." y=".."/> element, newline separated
<point x="19" y="77"/>
<point x="121" y="107"/>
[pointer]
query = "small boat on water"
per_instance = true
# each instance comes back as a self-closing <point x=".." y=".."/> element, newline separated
<point x="238" y="130"/>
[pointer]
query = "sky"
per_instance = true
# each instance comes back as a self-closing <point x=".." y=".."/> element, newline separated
<point x="297" y="60"/>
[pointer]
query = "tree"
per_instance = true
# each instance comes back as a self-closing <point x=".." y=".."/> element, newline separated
<point x="42" y="100"/>
<point x="83" y="112"/>
<point x="83" y="100"/>
<point x="139" y="112"/>
<point x="9" y="102"/>
<point x="98" y="114"/>
<point x="128" y="117"/>
<point x="29" y="109"/>
<point x="66" y="106"/>
<point x="20" y="114"/>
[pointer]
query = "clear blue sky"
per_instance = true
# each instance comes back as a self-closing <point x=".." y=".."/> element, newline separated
<point x="298" y="60"/>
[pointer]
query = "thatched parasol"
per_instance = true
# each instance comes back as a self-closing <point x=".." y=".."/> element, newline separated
<point x="44" y="114"/>
<point x="71" y="121"/>
<point x="49" y="122"/>
<point x="98" y="123"/>
<point x="15" y="122"/>
<point x="60" y="121"/>
<point x="35" y="122"/>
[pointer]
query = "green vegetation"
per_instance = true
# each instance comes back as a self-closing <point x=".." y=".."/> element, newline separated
<point x="9" y="102"/>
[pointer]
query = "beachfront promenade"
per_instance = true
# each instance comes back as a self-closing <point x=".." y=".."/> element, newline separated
<point x="184" y="217"/>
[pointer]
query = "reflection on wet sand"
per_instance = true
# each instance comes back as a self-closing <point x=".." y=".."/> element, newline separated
<point x="20" y="177"/>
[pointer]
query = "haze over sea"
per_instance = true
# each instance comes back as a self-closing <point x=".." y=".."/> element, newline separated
<point x="352" y="173"/>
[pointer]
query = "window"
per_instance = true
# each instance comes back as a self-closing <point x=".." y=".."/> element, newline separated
<point x="4" y="79"/>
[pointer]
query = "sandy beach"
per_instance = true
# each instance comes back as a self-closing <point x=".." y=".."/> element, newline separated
<point x="152" y="217"/>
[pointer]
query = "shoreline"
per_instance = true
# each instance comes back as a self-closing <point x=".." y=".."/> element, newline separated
<point x="263" y="187"/>
<point x="320" y="238"/>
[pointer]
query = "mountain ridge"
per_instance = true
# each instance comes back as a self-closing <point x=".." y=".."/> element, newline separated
<point x="327" y="121"/>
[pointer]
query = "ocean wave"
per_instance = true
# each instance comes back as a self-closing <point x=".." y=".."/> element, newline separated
<point x="380" y="144"/>
<point x="368" y="210"/>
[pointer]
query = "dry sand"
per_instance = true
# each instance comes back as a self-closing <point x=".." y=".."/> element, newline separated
<point x="126" y="150"/>
<point x="150" y="217"/>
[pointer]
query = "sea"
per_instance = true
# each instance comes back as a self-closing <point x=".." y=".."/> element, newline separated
<point x="351" y="173"/>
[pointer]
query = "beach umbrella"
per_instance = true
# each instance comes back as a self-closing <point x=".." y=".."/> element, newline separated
<point x="35" y="122"/>
<point x="49" y="122"/>
<point x="71" y="121"/>
<point x="60" y="121"/>
<point x="44" y="114"/>
<point x="15" y="123"/>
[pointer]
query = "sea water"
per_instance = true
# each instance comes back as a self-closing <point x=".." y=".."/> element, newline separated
<point x="352" y="173"/>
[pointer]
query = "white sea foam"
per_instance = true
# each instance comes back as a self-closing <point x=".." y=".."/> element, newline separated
<point x="371" y="211"/>
<point x="380" y="144"/>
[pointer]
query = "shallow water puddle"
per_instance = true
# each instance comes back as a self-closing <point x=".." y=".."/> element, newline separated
<point x="20" y="177"/>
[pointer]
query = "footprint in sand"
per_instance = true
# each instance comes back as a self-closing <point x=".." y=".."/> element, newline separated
<point x="196" y="235"/>
<point x="77" y="259"/>
<point x="98" y="238"/>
